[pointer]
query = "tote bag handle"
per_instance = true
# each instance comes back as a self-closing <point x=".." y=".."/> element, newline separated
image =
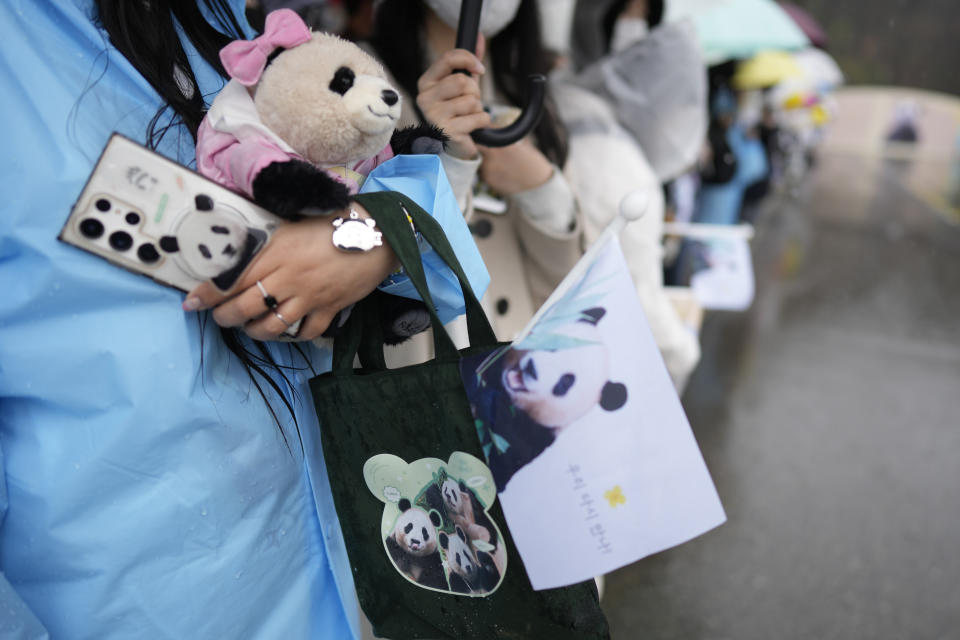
<point x="394" y="212"/>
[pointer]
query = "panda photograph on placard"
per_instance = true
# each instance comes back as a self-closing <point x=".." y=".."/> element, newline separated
<point x="525" y="396"/>
<point x="584" y="433"/>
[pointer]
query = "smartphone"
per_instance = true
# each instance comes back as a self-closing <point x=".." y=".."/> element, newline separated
<point x="145" y="213"/>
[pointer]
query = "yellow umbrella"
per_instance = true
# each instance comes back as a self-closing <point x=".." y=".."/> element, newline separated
<point x="766" y="69"/>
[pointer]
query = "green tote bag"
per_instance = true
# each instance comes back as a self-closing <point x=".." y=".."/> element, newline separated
<point x="431" y="554"/>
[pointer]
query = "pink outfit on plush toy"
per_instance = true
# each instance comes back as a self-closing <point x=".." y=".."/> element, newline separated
<point x="233" y="145"/>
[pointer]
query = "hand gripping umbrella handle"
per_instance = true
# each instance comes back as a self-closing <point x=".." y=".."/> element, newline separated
<point x="467" y="30"/>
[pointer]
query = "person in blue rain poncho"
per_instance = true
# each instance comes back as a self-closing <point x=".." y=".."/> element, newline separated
<point x="152" y="484"/>
<point x="722" y="202"/>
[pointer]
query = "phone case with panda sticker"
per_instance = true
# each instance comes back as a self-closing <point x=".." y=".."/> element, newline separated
<point x="146" y="213"/>
<point x="150" y="215"/>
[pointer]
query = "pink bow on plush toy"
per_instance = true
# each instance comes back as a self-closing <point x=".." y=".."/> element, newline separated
<point x="245" y="60"/>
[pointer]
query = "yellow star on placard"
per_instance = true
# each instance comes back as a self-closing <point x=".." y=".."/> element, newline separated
<point x="615" y="496"/>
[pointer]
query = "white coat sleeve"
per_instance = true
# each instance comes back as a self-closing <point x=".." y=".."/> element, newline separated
<point x="461" y="174"/>
<point x="550" y="206"/>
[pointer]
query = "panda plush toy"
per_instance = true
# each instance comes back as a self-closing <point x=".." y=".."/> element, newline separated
<point x="413" y="546"/>
<point x="526" y="398"/>
<point x="305" y="117"/>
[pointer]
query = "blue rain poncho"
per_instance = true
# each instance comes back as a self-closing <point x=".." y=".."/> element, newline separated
<point x="145" y="489"/>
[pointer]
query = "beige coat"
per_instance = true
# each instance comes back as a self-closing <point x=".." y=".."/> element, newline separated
<point x="526" y="254"/>
<point x="528" y="259"/>
<point x="526" y="262"/>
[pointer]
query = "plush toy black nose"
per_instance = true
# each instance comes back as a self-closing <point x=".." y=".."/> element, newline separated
<point x="390" y="97"/>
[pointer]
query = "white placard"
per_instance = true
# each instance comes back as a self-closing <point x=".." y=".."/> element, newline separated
<point x="586" y="439"/>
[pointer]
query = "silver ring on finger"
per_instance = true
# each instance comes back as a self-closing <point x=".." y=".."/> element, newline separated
<point x="282" y="319"/>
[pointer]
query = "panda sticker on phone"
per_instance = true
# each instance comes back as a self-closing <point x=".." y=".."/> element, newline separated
<point x="213" y="243"/>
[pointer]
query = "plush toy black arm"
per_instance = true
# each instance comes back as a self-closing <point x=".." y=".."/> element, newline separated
<point x="290" y="189"/>
<point x="403" y="318"/>
<point x="418" y="139"/>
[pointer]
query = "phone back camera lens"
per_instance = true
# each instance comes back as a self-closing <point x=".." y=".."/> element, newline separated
<point x="91" y="228"/>
<point x="132" y="218"/>
<point x="103" y="204"/>
<point x="148" y="253"/>
<point x="121" y="240"/>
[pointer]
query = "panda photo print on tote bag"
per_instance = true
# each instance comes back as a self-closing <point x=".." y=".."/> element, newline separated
<point x="585" y="437"/>
<point x="435" y="525"/>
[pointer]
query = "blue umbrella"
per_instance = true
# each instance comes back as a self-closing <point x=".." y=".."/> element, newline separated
<point x="739" y="29"/>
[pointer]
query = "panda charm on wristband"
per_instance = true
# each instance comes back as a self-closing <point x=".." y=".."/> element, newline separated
<point x="355" y="234"/>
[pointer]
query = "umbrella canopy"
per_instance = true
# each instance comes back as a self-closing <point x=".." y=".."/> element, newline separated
<point x="739" y="29"/>
<point x="766" y="69"/>
<point x="807" y="23"/>
<point x="819" y="76"/>
<point x="820" y="68"/>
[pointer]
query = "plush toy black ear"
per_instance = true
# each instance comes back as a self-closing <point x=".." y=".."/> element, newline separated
<point x="613" y="396"/>
<point x="593" y="315"/>
<point x="404" y="504"/>
<point x="444" y="540"/>
<point x="435" y="519"/>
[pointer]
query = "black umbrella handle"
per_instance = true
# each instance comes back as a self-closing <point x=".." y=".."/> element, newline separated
<point x="468" y="29"/>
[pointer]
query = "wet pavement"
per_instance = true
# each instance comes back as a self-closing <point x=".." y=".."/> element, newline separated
<point x="829" y="416"/>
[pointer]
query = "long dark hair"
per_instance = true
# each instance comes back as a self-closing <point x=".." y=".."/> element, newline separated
<point x="655" y="10"/>
<point x="516" y="52"/>
<point x="145" y="32"/>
